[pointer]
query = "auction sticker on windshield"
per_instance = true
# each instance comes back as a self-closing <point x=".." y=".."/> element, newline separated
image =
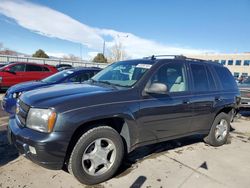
<point x="145" y="66"/>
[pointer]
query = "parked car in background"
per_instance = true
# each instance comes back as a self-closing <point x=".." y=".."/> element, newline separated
<point x="77" y="75"/>
<point x="244" y="87"/>
<point x="19" y="72"/>
<point x="90" y="127"/>
<point x="61" y="67"/>
<point x="3" y="64"/>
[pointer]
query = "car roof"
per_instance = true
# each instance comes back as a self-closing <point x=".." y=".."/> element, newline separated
<point x="28" y="63"/>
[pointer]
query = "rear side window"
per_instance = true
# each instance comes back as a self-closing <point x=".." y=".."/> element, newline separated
<point x="80" y="77"/>
<point x="32" y="68"/>
<point x="212" y="85"/>
<point x="200" y="80"/>
<point x="226" y="78"/>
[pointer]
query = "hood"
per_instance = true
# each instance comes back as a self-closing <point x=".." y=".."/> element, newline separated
<point x="26" y="86"/>
<point x="62" y="95"/>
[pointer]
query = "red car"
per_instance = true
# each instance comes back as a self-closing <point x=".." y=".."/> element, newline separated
<point x="18" y="72"/>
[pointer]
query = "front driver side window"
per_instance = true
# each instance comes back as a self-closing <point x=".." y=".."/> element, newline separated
<point x="172" y="75"/>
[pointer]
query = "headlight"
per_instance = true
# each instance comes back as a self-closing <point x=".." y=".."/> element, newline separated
<point x="16" y="95"/>
<point x="42" y="120"/>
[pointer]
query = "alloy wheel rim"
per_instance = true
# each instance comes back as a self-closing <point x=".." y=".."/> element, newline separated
<point x="221" y="130"/>
<point x="99" y="156"/>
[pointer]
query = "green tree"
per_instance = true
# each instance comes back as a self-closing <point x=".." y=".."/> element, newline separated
<point x="40" y="53"/>
<point x="100" y="58"/>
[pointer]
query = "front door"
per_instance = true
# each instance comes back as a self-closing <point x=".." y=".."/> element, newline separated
<point x="15" y="75"/>
<point x="163" y="116"/>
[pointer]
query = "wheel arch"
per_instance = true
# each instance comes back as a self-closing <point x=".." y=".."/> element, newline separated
<point x="118" y="123"/>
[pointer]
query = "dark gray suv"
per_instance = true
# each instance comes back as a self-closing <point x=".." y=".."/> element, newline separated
<point x="89" y="127"/>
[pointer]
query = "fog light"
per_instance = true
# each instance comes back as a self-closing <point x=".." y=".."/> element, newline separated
<point x="32" y="150"/>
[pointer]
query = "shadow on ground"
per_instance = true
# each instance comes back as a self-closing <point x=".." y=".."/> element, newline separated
<point x="154" y="150"/>
<point x="7" y="152"/>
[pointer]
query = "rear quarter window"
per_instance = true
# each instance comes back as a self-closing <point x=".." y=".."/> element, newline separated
<point x="226" y="78"/>
<point x="45" y="69"/>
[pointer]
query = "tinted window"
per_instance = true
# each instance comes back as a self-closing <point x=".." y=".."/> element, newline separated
<point x="226" y="78"/>
<point x="46" y="69"/>
<point x="212" y="85"/>
<point x="172" y="75"/>
<point x="18" y="68"/>
<point x="81" y="77"/>
<point x="200" y="80"/>
<point x="33" y="68"/>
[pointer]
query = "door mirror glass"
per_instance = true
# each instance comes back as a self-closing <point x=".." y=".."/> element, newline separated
<point x="157" y="88"/>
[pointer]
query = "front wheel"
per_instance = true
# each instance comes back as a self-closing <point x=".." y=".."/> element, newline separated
<point x="97" y="155"/>
<point x="219" y="131"/>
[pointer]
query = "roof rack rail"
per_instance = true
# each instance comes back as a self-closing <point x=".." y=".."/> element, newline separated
<point x="168" y="56"/>
<point x="153" y="57"/>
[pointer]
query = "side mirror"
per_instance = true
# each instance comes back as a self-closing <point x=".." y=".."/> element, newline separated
<point x="157" y="88"/>
<point x="9" y="70"/>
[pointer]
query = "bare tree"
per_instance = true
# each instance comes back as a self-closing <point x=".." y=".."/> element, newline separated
<point x="117" y="53"/>
<point x="71" y="57"/>
<point x="1" y="46"/>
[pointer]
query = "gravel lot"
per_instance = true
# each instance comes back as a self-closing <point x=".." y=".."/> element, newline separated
<point x="186" y="162"/>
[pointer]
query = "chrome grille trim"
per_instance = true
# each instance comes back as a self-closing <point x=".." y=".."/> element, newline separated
<point x="23" y="110"/>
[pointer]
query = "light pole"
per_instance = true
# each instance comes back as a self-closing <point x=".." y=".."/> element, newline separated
<point x="103" y="48"/>
<point x="124" y="36"/>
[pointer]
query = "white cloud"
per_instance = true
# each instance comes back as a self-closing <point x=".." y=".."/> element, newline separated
<point x="51" y="23"/>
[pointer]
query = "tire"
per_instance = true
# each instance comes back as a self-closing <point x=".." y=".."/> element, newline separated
<point x="216" y="137"/>
<point x="89" y="151"/>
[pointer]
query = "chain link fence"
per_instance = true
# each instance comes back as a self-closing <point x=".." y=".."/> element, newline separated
<point x="83" y="63"/>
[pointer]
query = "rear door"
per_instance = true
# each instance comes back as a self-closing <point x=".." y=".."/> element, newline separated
<point x="34" y="72"/>
<point x="168" y="115"/>
<point x="205" y="94"/>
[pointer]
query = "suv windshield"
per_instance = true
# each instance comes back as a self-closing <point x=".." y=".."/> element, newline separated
<point x="58" y="76"/>
<point x="124" y="73"/>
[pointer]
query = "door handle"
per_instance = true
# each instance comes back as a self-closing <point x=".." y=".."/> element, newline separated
<point x="218" y="99"/>
<point x="186" y="102"/>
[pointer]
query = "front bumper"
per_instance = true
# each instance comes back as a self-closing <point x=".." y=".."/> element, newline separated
<point x="245" y="103"/>
<point x="50" y="148"/>
<point x="9" y="105"/>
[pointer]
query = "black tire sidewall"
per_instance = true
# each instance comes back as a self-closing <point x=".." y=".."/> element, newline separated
<point x="83" y="143"/>
<point x="213" y="141"/>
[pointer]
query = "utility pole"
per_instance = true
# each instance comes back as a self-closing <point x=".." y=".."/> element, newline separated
<point x="124" y="36"/>
<point x="103" y="49"/>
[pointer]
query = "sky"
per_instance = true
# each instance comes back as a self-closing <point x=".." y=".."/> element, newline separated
<point x="147" y="27"/>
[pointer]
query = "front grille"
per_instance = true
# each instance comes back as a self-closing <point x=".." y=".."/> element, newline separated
<point x="245" y="93"/>
<point x="22" y="112"/>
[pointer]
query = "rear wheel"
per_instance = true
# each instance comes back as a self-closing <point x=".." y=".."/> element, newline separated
<point x="219" y="131"/>
<point x="97" y="155"/>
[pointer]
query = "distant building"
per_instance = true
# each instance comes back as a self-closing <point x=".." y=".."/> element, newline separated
<point x="238" y="63"/>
